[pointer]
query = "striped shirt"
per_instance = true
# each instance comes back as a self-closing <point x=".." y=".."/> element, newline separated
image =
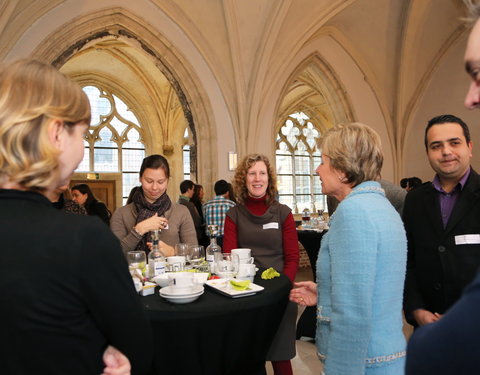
<point x="214" y="212"/>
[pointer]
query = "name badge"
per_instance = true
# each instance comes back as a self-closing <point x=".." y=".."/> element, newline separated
<point x="270" y="226"/>
<point x="467" y="239"/>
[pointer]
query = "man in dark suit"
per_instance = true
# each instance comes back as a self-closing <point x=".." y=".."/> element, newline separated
<point x="442" y="221"/>
<point x="450" y="346"/>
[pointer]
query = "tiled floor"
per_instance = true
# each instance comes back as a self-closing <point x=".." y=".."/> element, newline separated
<point x="306" y="361"/>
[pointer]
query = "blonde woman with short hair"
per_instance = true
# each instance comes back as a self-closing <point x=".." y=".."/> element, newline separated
<point x="68" y="301"/>
<point x="361" y="264"/>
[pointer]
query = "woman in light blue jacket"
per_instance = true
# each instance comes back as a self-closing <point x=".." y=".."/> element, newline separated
<point x="361" y="265"/>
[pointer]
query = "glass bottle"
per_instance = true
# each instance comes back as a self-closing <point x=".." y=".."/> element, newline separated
<point x="213" y="248"/>
<point x="306" y="218"/>
<point x="156" y="259"/>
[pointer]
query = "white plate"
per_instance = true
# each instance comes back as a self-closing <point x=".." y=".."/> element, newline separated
<point x="182" y="299"/>
<point x="170" y="292"/>
<point x="223" y="286"/>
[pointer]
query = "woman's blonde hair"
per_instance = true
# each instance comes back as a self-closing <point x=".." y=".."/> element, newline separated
<point x="33" y="95"/>
<point x="473" y="11"/>
<point x="239" y="181"/>
<point x="354" y="149"/>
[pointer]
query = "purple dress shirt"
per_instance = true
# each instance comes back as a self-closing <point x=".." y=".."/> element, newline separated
<point x="448" y="200"/>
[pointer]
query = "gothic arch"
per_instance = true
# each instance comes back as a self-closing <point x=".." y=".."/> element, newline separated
<point x="121" y="26"/>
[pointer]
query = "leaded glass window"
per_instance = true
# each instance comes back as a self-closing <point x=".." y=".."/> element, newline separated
<point x="297" y="157"/>
<point x="114" y="142"/>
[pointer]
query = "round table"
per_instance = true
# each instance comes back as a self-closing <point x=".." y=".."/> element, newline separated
<point x="310" y="240"/>
<point x="217" y="334"/>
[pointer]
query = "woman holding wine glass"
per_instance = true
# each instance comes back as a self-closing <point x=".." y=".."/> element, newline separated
<point x="68" y="302"/>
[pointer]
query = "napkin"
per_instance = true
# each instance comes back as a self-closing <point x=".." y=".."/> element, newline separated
<point x="270" y="274"/>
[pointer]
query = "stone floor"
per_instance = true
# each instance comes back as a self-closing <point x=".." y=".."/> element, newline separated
<point x="306" y="361"/>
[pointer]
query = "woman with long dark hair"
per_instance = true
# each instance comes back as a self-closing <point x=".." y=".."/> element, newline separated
<point x="82" y="195"/>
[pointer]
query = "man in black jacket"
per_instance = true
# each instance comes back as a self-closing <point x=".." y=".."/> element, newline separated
<point x="442" y="221"/>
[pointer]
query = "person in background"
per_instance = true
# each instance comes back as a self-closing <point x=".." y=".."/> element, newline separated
<point x="231" y="193"/>
<point x="68" y="301"/>
<point x="215" y="210"/>
<point x="152" y="209"/>
<point x="361" y="264"/>
<point x="186" y="189"/>
<point x="395" y="195"/>
<point x="197" y="200"/>
<point x="83" y="196"/>
<point x="60" y="202"/>
<point x="413" y="183"/>
<point x="404" y="183"/>
<point x="265" y="226"/>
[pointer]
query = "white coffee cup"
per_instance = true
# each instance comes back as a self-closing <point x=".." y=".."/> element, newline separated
<point x="181" y="282"/>
<point x="242" y="253"/>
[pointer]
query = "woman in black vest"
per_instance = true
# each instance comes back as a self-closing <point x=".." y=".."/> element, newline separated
<point x="260" y="223"/>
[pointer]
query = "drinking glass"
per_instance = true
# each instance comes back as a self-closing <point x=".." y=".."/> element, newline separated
<point x="136" y="262"/>
<point x="226" y="265"/>
<point x="181" y="249"/>
<point x="196" y="255"/>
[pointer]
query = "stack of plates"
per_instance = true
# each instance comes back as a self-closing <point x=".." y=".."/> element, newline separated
<point x="173" y="296"/>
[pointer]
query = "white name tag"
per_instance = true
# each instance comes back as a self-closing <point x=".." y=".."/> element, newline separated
<point x="465" y="239"/>
<point x="270" y="226"/>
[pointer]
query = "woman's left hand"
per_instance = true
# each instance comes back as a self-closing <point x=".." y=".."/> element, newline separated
<point x="304" y="293"/>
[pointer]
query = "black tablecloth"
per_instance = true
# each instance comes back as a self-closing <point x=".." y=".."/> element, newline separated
<point x="310" y="240"/>
<point x="216" y="334"/>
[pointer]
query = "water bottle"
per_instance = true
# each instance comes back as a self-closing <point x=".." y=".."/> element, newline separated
<point x="213" y="248"/>
<point x="156" y="259"/>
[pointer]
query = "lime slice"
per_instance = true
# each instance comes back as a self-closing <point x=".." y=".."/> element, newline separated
<point x="240" y="285"/>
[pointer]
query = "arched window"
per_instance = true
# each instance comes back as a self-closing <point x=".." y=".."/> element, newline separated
<point x="186" y="155"/>
<point x="297" y="157"/>
<point x="114" y="142"/>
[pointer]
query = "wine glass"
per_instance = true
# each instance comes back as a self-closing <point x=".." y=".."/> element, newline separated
<point x="226" y="265"/>
<point x="137" y="263"/>
<point x="181" y="249"/>
<point x="196" y="255"/>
